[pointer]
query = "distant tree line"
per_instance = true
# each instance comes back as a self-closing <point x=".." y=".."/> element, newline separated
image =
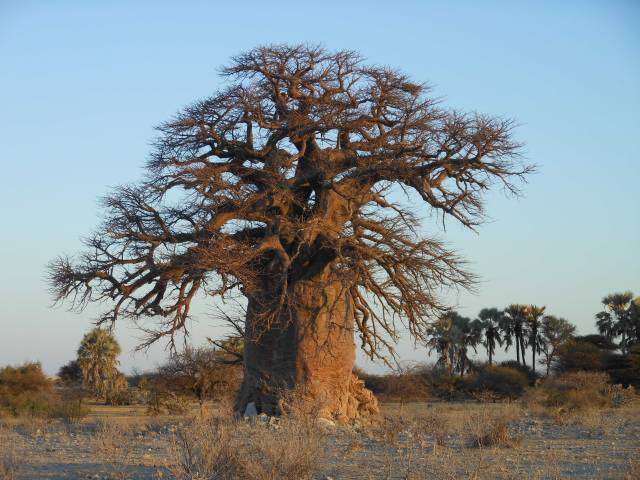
<point x="551" y="341"/>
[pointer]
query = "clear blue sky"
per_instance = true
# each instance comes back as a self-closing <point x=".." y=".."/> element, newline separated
<point x="83" y="83"/>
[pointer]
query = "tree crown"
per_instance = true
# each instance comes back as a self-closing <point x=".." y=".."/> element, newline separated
<point x="288" y="173"/>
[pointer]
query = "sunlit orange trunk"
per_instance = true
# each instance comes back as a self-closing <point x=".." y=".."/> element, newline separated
<point x="309" y="349"/>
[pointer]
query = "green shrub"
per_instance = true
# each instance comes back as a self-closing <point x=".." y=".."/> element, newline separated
<point x="25" y="390"/>
<point x="450" y="387"/>
<point x="26" y="404"/>
<point x="69" y="411"/>
<point x="598" y="341"/>
<point x="27" y="378"/>
<point x="574" y="392"/>
<point x="70" y="373"/>
<point x="624" y="369"/>
<point x="579" y="356"/>
<point x="524" y="369"/>
<point x="408" y="385"/>
<point x="503" y="382"/>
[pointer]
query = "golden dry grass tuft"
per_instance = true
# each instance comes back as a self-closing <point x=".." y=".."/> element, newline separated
<point x="492" y="431"/>
<point x="212" y="448"/>
<point x="9" y="461"/>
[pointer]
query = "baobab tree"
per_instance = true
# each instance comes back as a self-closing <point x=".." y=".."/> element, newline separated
<point x="286" y="188"/>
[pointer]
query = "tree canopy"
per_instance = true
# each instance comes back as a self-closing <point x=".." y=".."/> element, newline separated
<point x="294" y="168"/>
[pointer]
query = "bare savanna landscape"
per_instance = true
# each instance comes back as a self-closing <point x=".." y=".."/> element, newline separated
<point x="412" y="441"/>
<point x="380" y="241"/>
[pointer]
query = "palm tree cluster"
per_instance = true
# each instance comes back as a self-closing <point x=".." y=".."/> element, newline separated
<point x="522" y="326"/>
<point x="451" y="336"/>
<point x="620" y="319"/>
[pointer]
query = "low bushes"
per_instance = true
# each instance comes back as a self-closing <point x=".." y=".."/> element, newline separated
<point x="524" y="369"/>
<point x="406" y="386"/>
<point x="578" y="390"/>
<point x="579" y="356"/>
<point x="25" y="389"/>
<point x="423" y="382"/>
<point x="571" y="393"/>
<point x="69" y="411"/>
<point x="503" y="382"/>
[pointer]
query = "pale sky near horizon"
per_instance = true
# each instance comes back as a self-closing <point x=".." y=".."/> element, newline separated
<point x="83" y="83"/>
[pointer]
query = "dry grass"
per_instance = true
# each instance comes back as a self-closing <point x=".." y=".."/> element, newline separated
<point x="8" y="465"/>
<point x="488" y="431"/>
<point x="9" y="462"/>
<point x="108" y="440"/>
<point x="413" y="441"/>
<point x="225" y="450"/>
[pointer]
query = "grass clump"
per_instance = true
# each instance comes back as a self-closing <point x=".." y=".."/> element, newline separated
<point x="225" y="450"/>
<point x="70" y="412"/>
<point x="489" y="431"/>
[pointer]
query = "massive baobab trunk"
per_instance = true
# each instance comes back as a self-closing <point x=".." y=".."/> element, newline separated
<point x="308" y="349"/>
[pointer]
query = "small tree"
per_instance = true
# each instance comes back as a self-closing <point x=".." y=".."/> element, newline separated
<point x="574" y="356"/>
<point x="70" y="373"/>
<point x="97" y="358"/>
<point x="205" y="372"/>
<point x="555" y="333"/>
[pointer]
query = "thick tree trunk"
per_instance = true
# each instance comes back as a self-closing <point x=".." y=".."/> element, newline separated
<point x="308" y="349"/>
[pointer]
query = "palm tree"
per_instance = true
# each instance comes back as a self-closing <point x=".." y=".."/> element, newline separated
<point x="514" y="328"/>
<point x="534" y="329"/>
<point x="633" y="324"/>
<point x="441" y="340"/>
<point x="617" y="306"/>
<point x="97" y="358"/>
<point x="491" y="320"/>
<point x="555" y="332"/>
<point x="467" y="334"/>
<point x="606" y="325"/>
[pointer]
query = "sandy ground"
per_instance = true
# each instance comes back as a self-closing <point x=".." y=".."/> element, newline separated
<point x="124" y="443"/>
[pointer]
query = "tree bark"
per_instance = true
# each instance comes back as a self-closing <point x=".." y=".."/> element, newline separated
<point x="308" y="349"/>
<point x="524" y="357"/>
<point x="533" y="359"/>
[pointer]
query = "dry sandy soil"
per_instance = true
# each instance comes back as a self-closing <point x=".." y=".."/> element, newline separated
<point x="416" y="441"/>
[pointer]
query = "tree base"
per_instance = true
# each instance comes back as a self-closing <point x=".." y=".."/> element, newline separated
<point x="355" y="402"/>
